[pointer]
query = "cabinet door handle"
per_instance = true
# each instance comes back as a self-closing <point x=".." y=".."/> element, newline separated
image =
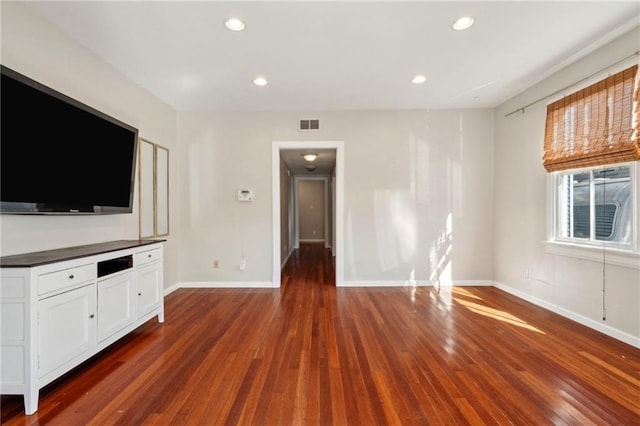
<point x="71" y="276"/>
<point x="91" y="316"/>
<point x="139" y="294"/>
<point x="148" y="255"/>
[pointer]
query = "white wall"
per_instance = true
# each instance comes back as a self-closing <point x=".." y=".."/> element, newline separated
<point x="34" y="48"/>
<point x="567" y="285"/>
<point x="418" y="193"/>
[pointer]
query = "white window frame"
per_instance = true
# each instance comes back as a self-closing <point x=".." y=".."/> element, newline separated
<point x="601" y="251"/>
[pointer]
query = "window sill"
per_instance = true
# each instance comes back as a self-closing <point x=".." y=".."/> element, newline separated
<point x="626" y="258"/>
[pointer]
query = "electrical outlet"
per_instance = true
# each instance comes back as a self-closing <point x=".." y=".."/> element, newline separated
<point x="526" y="273"/>
<point x="216" y="264"/>
<point x="243" y="264"/>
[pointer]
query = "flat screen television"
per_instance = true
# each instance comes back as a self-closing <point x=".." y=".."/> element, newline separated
<point x="60" y="156"/>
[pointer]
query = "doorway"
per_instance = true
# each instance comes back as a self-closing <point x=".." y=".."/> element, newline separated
<point x="338" y="186"/>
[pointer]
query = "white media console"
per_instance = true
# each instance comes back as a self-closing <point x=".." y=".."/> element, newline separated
<point x="60" y="307"/>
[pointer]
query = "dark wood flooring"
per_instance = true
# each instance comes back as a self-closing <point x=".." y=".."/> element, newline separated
<point x="311" y="354"/>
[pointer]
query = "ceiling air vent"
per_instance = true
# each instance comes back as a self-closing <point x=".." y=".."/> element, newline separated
<point x="309" y="125"/>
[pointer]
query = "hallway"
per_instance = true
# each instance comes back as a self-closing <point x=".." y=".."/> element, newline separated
<point x="312" y="263"/>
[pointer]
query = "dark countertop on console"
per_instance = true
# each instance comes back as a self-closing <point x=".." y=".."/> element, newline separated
<point x="27" y="260"/>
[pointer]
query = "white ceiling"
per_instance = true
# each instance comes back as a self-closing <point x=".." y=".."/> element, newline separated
<point x="333" y="55"/>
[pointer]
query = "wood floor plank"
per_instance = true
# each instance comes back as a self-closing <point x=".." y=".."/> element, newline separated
<point x="313" y="354"/>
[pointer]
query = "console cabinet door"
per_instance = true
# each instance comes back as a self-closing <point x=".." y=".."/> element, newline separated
<point x="116" y="304"/>
<point x="67" y="327"/>
<point x="148" y="287"/>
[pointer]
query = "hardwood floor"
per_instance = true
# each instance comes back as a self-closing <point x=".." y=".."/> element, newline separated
<point x="311" y="354"/>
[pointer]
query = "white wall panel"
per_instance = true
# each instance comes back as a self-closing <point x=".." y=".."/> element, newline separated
<point x="418" y="193"/>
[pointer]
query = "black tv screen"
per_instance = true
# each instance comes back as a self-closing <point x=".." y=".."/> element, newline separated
<point x="60" y="156"/>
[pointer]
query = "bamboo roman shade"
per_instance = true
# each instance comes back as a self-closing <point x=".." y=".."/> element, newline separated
<point x="595" y="126"/>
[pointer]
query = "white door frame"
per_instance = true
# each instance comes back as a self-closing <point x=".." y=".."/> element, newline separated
<point x="276" y="147"/>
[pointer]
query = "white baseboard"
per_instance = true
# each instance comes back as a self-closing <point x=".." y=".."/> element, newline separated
<point x="382" y="284"/>
<point x="171" y="289"/>
<point x="220" y="284"/>
<point x="483" y="283"/>
<point x="473" y="283"/>
<point x="588" y="322"/>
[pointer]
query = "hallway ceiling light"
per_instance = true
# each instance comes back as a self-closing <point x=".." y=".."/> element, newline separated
<point x="310" y="167"/>
<point x="463" y="23"/>
<point x="234" y="24"/>
<point x="310" y="157"/>
<point x="260" y="81"/>
<point x="419" y="79"/>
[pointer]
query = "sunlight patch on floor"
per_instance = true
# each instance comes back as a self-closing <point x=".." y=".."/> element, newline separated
<point x="462" y="292"/>
<point x="496" y="314"/>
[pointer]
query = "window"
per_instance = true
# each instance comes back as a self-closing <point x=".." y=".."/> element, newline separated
<point x="591" y="150"/>
<point x="595" y="205"/>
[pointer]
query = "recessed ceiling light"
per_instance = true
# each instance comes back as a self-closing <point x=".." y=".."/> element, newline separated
<point x="463" y="23"/>
<point x="234" y="24"/>
<point x="419" y="79"/>
<point x="260" y="81"/>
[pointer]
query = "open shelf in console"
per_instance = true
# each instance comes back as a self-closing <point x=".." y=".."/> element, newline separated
<point x="111" y="266"/>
